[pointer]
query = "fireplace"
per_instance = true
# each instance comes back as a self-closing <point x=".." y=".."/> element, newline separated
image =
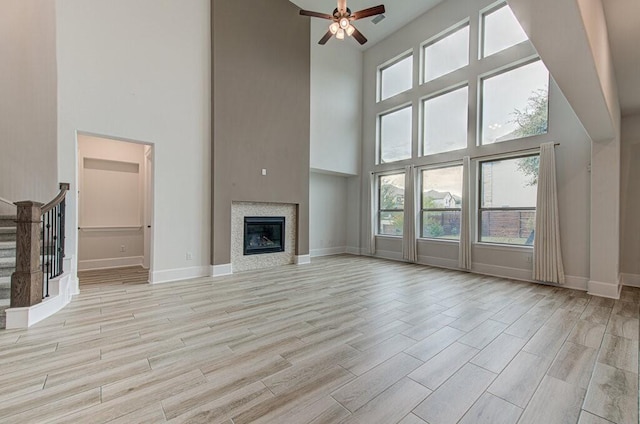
<point x="263" y="234"/>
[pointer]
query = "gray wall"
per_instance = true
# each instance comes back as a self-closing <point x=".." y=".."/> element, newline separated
<point x="28" y="94"/>
<point x="260" y="112"/>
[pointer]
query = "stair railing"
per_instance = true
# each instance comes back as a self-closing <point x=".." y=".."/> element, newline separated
<point x="39" y="248"/>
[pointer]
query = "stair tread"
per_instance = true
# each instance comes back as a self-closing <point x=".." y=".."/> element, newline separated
<point x="7" y="244"/>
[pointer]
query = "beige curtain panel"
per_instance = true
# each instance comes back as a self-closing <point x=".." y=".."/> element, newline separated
<point x="464" y="254"/>
<point x="547" y="256"/>
<point x="409" y="226"/>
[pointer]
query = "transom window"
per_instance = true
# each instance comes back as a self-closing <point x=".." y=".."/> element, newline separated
<point x="391" y="204"/>
<point x="441" y="202"/>
<point x="445" y="121"/>
<point x="515" y="103"/>
<point x="395" y="78"/>
<point x="395" y="135"/>
<point x="508" y="191"/>
<point x="446" y="54"/>
<point x="500" y="30"/>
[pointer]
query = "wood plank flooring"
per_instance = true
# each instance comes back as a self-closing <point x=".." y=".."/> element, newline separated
<point x="344" y="340"/>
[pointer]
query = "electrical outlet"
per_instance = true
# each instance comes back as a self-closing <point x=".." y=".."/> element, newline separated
<point x="189" y="256"/>
<point x="123" y="248"/>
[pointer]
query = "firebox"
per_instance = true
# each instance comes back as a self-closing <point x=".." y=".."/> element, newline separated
<point x="263" y="234"/>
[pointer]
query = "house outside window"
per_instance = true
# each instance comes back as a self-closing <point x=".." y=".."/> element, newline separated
<point x="391" y="204"/>
<point x="441" y="202"/>
<point x="508" y="191"/>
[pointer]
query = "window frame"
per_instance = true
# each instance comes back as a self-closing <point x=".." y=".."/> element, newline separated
<point x="480" y="209"/>
<point x="481" y="21"/>
<point x="422" y="118"/>
<point x="379" y="210"/>
<point x="481" y="93"/>
<point x="421" y="206"/>
<point x="407" y="105"/>
<point x="439" y="37"/>
<point x="388" y="64"/>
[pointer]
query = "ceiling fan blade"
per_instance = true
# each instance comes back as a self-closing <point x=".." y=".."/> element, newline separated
<point x="325" y="38"/>
<point x="372" y="11"/>
<point x="316" y="14"/>
<point x="342" y="6"/>
<point x="358" y="36"/>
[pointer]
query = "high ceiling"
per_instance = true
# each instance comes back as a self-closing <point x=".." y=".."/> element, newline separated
<point x="623" y="22"/>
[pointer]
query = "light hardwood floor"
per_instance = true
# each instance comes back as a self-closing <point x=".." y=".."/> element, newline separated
<point x="343" y="340"/>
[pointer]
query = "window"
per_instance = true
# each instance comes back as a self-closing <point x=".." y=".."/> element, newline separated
<point x="446" y="54"/>
<point x="441" y="202"/>
<point x="395" y="78"/>
<point x="445" y="122"/>
<point x="500" y="30"/>
<point x="508" y="190"/>
<point x="391" y="204"/>
<point x="395" y="135"/>
<point x="515" y="103"/>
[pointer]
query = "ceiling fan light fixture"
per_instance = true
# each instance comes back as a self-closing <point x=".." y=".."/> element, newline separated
<point x="344" y="23"/>
<point x="334" y="27"/>
<point x="340" y="34"/>
<point x="350" y="30"/>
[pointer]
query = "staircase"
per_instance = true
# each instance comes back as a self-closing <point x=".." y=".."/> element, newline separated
<point x="7" y="261"/>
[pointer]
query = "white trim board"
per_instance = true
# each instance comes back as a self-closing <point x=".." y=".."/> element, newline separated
<point x="177" y="274"/>
<point x="353" y="250"/>
<point x="302" y="259"/>
<point x="327" y="251"/>
<point x="61" y="290"/>
<point x="602" y="289"/>
<point x="93" y="264"/>
<point x="221" y="270"/>
<point x="630" y="280"/>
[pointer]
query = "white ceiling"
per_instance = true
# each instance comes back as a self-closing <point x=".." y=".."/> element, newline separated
<point x="398" y="13"/>
<point x="623" y="23"/>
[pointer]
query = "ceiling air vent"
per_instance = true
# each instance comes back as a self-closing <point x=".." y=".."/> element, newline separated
<point x="377" y="19"/>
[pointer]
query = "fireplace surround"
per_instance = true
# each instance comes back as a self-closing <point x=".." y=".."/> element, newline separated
<point x="240" y="211"/>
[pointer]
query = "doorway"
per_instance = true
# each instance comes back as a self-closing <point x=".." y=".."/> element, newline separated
<point x="115" y="204"/>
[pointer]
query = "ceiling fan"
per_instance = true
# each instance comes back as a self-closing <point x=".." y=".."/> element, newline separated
<point x="342" y="18"/>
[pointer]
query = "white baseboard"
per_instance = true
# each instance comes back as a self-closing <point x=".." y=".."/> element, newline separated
<point x="327" y="251"/>
<point x="502" y="271"/>
<point x="353" y="250"/>
<point x="303" y="259"/>
<point x="221" y="270"/>
<point x="109" y="263"/>
<point x="439" y="262"/>
<point x="631" y="280"/>
<point x="170" y="275"/>
<point x="576" y="283"/>
<point x="61" y="290"/>
<point x="602" y="289"/>
<point x="388" y="254"/>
